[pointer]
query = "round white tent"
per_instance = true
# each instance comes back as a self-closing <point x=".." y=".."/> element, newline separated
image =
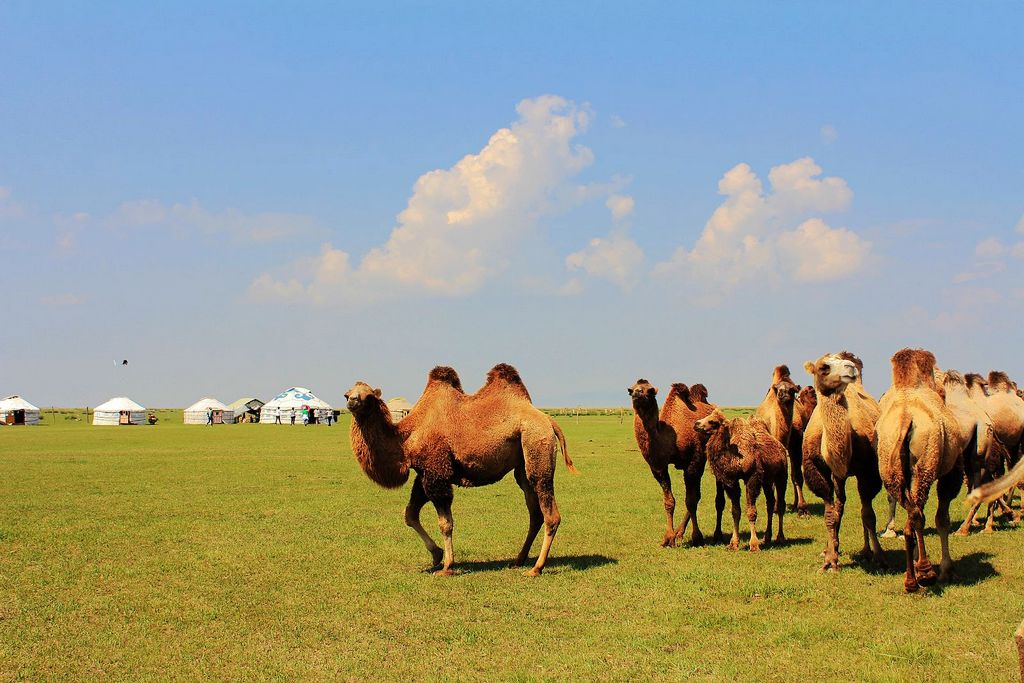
<point x="14" y="410"/>
<point x="119" y="411"/>
<point x="279" y="409"/>
<point x="195" y="414"/>
<point x="399" y="408"/>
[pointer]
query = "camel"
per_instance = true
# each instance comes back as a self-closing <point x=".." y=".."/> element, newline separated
<point x="1007" y="411"/>
<point x="920" y="442"/>
<point x="453" y="438"/>
<point x="745" y="450"/>
<point x="668" y="439"/>
<point x="838" y="444"/>
<point x="803" y="408"/>
<point x="776" y="410"/>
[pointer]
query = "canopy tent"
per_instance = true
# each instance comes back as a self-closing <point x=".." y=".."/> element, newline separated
<point x="246" y="409"/>
<point x="279" y="409"/>
<point x="119" y="411"/>
<point x="399" y="408"/>
<point x="14" y="410"/>
<point x="195" y="414"/>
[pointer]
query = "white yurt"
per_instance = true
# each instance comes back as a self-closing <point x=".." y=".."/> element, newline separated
<point x="279" y="409"/>
<point x="399" y="408"/>
<point x="195" y="414"/>
<point x="119" y="411"/>
<point x="14" y="410"/>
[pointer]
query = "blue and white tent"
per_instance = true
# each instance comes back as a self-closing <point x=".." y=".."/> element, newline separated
<point x="293" y="399"/>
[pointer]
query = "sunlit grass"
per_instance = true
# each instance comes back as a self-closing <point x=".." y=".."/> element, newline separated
<point x="249" y="551"/>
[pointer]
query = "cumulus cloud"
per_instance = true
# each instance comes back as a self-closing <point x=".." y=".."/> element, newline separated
<point x="757" y="233"/>
<point x="991" y="256"/>
<point x="620" y="206"/>
<point x="461" y="225"/>
<point x="193" y="217"/>
<point x="616" y="258"/>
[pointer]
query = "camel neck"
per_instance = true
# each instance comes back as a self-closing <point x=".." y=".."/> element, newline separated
<point x="377" y="446"/>
<point x="647" y="416"/>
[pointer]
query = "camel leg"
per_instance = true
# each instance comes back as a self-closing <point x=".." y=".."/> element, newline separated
<point x="780" y="507"/>
<point x="867" y="488"/>
<point x="840" y="509"/>
<point x="990" y="519"/>
<point x="910" y="578"/>
<point x="536" y="516"/>
<point x="947" y="489"/>
<point x="926" y="575"/>
<point x="545" y="489"/>
<point x="719" y="510"/>
<point x="692" y="485"/>
<point x="890" y="526"/>
<point x="417" y="499"/>
<point x="833" y="507"/>
<point x="447" y="527"/>
<point x="797" y="476"/>
<point x="669" y="541"/>
<point x="770" y="503"/>
<point x="965" y="528"/>
<point x="734" y="498"/>
<point x="753" y="489"/>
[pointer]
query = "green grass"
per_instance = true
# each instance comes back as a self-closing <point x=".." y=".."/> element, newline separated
<point x="262" y="552"/>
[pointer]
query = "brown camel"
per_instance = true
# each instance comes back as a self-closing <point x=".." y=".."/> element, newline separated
<point x="776" y="410"/>
<point x="1007" y="411"/>
<point x="453" y="438"/>
<point x="803" y="408"/>
<point x="838" y="444"/>
<point x="919" y="442"/>
<point x="668" y="439"/>
<point x="745" y="450"/>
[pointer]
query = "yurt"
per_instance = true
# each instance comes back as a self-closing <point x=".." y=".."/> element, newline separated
<point x="399" y="408"/>
<point x="195" y="414"/>
<point x="246" y="409"/>
<point x="14" y="410"/>
<point x="279" y="409"/>
<point x="119" y="411"/>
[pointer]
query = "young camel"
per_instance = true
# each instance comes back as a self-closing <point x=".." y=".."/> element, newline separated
<point x="919" y="442"/>
<point x="838" y="444"/>
<point x="451" y="438"/>
<point x="803" y="408"/>
<point x="746" y="451"/>
<point x="667" y="439"/>
<point x="777" y="411"/>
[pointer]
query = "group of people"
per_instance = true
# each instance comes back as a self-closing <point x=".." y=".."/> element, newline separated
<point x="309" y="416"/>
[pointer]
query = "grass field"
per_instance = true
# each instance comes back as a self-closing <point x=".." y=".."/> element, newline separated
<point x="262" y="552"/>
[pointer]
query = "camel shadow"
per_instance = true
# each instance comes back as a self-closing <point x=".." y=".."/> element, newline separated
<point x="744" y="539"/>
<point x="574" y="562"/>
<point x="968" y="570"/>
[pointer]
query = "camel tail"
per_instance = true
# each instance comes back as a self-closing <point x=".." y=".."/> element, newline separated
<point x="901" y="455"/>
<point x="994" y="489"/>
<point x="565" y="450"/>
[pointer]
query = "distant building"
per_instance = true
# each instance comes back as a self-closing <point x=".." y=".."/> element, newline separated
<point x="14" y="410"/>
<point x="119" y="411"/>
<point x="246" y="409"/>
<point x="195" y="414"/>
<point x="399" y="408"/>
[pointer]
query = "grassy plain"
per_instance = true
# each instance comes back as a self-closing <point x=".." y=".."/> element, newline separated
<point x="262" y="552"/>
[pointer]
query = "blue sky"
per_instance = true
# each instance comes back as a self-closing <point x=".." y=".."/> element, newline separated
<point x="587" y="193"/>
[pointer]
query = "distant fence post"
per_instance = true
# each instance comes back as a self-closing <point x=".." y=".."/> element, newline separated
<point x="1020" y="649"/>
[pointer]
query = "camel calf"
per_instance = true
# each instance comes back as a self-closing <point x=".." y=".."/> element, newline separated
<point x="744" y="450"/>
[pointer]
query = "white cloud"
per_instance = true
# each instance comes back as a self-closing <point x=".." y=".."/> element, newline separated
<point x="462" y="224"/>
<point x="757" y="235"/>
<point x="990" y="249"/>
<point x="829" y="134"/>
<point x="193" y="217"/>
<point x="620" y="206"/>
<point x="617" y="121"/>
<point x="616" y="258"/>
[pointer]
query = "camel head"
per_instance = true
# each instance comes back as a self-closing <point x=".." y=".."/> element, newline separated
<point x="783" y="386"/>
<point x="831" y="373"/>
<point x="361" y="398"/>
<point x="710" y="424"/>
<point x="643" y="394"/>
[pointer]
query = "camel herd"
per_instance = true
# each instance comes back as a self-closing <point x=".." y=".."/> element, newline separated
<point x="930" y="427"/>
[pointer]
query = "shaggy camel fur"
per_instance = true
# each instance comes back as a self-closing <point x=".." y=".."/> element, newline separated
<point x="668" y="439"/>
<point x="919" y="442"/>
<point x="803" y="408"/>
<point x="984" y="454"/>
<point x="777" y="412"/>
<point x="452" y="438"/>
<point x="1007" y="411"/>
<point x="746" y="451"/>
<point x="838" y="444"/>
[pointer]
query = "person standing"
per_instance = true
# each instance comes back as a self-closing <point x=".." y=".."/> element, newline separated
<point x="293" y="417"/>
<point x="277" y="416"/>
<point x="209" y="417"/>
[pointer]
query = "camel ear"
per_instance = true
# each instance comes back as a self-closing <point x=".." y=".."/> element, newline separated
<point x="653" y="391"/>
<point x="809" y="367"/>
<point x="376" y="392"/>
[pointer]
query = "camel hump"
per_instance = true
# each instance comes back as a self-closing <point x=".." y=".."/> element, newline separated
<point x="913" y="368"/>
<point x="508" y="375"/>
<point x="445" y="374"/>
<point x="999" y="381"/>
<point x="679" y="389"/>
<point x="699" y="393"/>
<point x="954" y="378"/>
<point x="780" y="373"/>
